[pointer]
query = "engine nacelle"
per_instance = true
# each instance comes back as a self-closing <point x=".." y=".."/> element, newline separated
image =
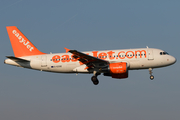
<point x="117" y="70"/>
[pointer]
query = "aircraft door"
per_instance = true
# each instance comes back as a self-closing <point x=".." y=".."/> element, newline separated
<point x="150" y="54"/>
<point x="43" y="61"/>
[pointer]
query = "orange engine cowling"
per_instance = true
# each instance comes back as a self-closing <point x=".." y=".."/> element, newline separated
<point x="118" y="70"/>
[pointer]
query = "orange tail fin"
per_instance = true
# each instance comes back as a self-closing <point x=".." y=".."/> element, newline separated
<point x="20" y="44"/>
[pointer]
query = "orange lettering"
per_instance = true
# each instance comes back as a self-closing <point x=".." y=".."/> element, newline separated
<point x="65" y="58"/>
<point x="140" y="52"/>
<point x="128" y="56"/>
<point x="95" y="53"/>
<point x="56" y="58"/>
<point x="119" y="54"/>
<point x="110" y="53"/>
<point x="102" y="55"/>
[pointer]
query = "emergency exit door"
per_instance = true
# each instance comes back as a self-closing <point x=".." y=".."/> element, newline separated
<point x="150" y="54"/>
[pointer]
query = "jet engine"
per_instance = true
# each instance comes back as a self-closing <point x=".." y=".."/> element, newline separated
<point x="117" y="70"/>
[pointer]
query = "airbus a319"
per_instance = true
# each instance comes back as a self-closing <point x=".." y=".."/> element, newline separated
<point x="112" y="63"/>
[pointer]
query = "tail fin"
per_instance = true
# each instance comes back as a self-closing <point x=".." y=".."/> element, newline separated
<point x="20" y="44"/>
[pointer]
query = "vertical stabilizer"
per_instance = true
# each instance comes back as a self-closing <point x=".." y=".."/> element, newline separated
<point x="20" y="44"/>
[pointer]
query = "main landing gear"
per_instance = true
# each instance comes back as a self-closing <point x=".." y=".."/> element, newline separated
<point x="94" y="78"/>
<point x="150" y="72"/>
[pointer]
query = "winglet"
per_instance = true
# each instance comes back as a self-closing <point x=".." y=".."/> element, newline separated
<point x="67" y="50"/>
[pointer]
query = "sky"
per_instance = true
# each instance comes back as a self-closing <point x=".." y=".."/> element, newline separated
<point x="90" y="25"/>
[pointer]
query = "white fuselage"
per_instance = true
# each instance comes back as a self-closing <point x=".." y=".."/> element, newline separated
<point x="142" y="58"/>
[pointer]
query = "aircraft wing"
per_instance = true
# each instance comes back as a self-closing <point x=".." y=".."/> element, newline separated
<point x="86" y="59"/>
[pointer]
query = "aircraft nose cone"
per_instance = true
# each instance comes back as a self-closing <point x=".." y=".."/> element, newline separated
<point x="173" y="60"/>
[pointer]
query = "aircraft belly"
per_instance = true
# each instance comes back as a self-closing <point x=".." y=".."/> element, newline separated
<point x="81" y="69"/>
<point x="134" y="64"/>
<point x="140" y="64"/>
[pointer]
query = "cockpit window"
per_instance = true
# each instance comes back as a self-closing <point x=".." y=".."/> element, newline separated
<point x="164" y="53"/>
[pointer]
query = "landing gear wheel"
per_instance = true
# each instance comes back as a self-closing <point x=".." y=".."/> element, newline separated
<point x="150" y="72"/>
<point x="95" y="80"/>
<point x="151" y="77"/>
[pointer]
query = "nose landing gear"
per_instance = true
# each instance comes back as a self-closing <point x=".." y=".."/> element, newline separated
<point x="150" y="72"/>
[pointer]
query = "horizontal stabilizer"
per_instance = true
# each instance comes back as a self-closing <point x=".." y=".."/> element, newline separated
<point x="17" y="59"/>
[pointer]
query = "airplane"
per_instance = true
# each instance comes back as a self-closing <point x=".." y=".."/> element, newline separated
<point x="112" y="63"/>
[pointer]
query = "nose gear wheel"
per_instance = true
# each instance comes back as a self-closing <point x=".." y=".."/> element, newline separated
<point x="150" y="72"/>
<point x="151" y="77"/>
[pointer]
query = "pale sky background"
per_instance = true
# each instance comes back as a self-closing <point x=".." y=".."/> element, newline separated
<point x="87" y="25"/>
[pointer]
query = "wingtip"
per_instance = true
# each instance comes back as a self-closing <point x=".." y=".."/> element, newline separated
<point x="67" y="50"/>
